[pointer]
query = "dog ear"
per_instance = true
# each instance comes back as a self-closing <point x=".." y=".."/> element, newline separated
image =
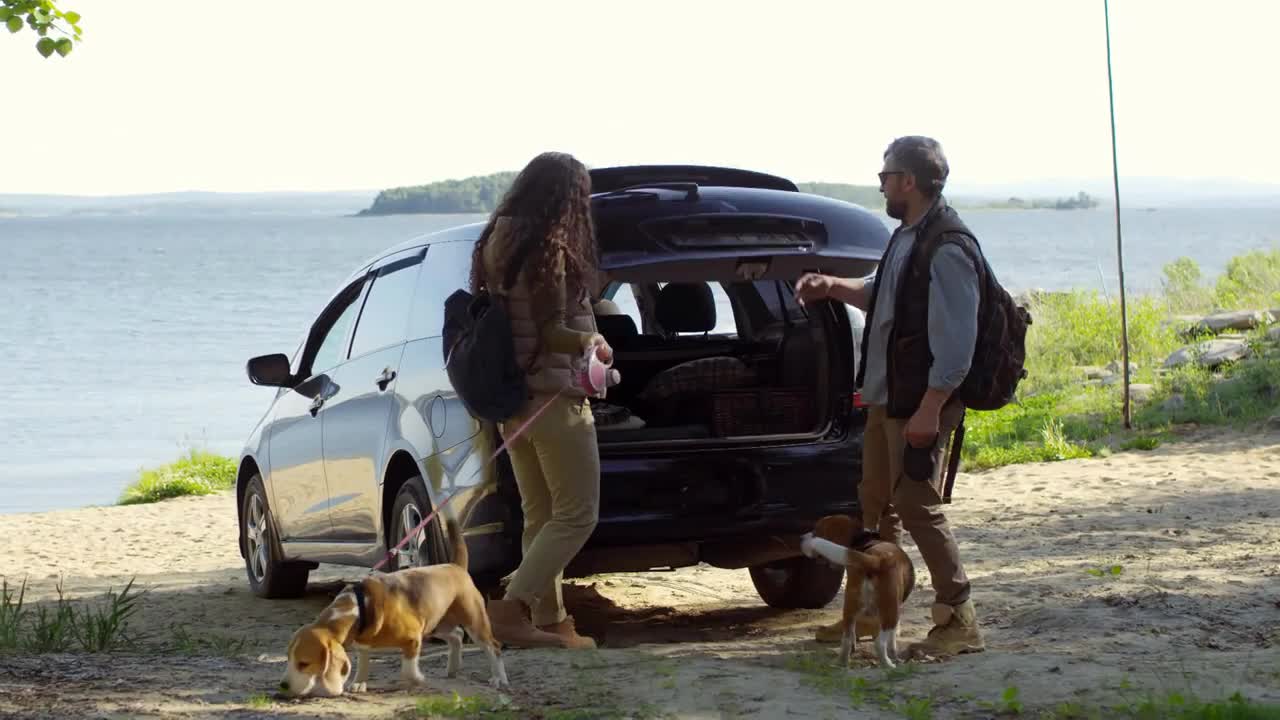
<point x="324" y="666"/>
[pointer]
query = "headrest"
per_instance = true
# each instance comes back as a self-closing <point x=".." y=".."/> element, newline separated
<point x="687" y="308"/>
<point x="616" y="327"/>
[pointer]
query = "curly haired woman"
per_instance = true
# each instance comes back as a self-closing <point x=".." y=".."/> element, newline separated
<point x="545" y="218"/>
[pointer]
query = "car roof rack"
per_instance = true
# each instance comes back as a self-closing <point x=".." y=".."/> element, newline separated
<point x="611" y="179"/>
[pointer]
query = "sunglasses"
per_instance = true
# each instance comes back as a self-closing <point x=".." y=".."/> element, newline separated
<point x="887" y="173"/>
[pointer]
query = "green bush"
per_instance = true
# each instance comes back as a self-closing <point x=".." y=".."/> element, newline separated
<point x="197" y="473"/>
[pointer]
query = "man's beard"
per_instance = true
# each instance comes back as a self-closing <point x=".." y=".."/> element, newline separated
<point x="896" y="210"/>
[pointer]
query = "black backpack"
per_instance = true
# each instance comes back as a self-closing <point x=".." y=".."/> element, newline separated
<point x="1000" y="354"/>
<point x="480" y="352"/>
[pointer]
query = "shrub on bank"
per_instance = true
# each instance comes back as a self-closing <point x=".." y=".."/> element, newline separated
<point x="1064" y="413"/>
<point x="196" y="473"/>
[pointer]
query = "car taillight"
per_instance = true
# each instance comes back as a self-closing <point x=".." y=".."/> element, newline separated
<point x="857" y="401"/>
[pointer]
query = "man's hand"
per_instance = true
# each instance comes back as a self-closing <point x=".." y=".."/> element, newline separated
<point x="812" y="287"/>
<point x="923" y="427"/>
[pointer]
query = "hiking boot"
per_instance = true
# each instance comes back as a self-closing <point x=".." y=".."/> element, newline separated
<point x="568" y="635"/>
<point x="511" y="625"/>
<point x="955" y="631"/>
<point x="864" y="628"/>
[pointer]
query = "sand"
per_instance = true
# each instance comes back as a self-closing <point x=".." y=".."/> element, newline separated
<point x="1195" y="607"/>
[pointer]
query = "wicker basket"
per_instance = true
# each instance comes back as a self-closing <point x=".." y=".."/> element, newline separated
<point x="762" y="411"/>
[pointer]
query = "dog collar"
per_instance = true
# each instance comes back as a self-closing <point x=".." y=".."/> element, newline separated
<point x="362" y="619"/>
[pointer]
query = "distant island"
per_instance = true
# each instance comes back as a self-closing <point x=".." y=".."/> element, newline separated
<point x="481" y="193"/>
<point x="1081" y="201"/>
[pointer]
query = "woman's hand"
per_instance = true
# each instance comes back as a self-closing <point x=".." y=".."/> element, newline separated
<point x="604" y="353"/>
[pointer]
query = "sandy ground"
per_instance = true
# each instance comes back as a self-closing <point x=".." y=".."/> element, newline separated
<point x="1195" y="607"/>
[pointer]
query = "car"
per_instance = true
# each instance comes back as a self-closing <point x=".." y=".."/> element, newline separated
<point x="735" y="425"/>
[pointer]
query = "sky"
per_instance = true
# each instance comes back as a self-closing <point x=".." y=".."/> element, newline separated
<point x="247" y="95"/>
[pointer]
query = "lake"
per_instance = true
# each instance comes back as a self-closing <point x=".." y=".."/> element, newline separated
<point x="126" y="336"/>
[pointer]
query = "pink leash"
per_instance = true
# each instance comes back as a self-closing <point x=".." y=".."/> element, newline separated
<point x="519" y="431"/>
<point x="593" y="378"/>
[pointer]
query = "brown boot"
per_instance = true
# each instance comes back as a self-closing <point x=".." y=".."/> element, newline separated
<point x="865" y="628"/>
<point x="568" y="635"/>
<point x="955" y="631"/>
<point x="511" y="626"/>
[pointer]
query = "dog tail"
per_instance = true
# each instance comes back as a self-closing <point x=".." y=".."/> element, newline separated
<point x="459" y="543"/>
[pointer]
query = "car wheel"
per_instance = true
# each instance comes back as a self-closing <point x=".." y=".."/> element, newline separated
<point x="269" y="575"/>
<point x="427" y="546"/>
<point x="797" y="583"/>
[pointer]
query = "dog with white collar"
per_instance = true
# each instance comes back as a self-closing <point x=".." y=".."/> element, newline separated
<point x="393" y="610"/>
<point x="880" y="579"/>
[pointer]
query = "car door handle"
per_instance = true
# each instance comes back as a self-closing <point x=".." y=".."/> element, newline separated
<point x="385" y="378"/>
<point x="316" y="405"/>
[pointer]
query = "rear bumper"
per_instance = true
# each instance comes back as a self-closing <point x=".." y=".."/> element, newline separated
<point x="715" y="495"/>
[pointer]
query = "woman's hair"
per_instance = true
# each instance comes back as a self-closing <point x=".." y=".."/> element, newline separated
<point x="548" y="204"/>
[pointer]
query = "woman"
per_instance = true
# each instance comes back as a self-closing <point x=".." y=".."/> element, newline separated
<point x="544" y="223"/>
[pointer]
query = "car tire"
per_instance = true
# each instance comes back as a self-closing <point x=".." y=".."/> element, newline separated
<point x="797" y="583"/>
<point x="269" y="575"/>
<point x="429" y="548"/>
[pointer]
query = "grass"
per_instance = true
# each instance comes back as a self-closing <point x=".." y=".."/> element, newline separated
<point x="196" y="473"/>
<point x="64" y="625"/>
<point x="1059" y="415"/>
<point x="1173" y="706"/>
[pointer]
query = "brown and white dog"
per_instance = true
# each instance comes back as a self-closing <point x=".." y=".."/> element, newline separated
<point x="393" y="610"/>
<point x="880" y="578"/>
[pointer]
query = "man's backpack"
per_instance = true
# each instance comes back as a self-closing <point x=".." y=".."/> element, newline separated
<point x="480" y="351"/>
<point x="1000" y="354"/>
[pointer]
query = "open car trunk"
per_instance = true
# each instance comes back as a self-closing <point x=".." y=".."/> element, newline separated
<point x="707" y="334"/>
<point x="716" y="362"/>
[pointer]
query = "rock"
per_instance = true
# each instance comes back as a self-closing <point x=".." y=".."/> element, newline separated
<point x="1141" y="392"/>
<point x="1115" y="368"/>
<point x="1240" y="320"/>
<point x="1092" y="372"/>
<point x="1274" y="334"/>
<point x="1210" y="353"/>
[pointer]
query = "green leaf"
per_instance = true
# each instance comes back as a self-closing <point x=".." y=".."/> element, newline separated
<point x="14" y="24"/>
<point x="72" y="17"/>
<point x="65" y="46"/>
<point x="5" y="13"/>
<point x="46" y="46"/>
<point x="1094" y="572"/>
<point x="1117" y="569"/>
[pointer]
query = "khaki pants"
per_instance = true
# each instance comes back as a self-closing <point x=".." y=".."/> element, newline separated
<point x="892" y="501"/>
<point x="557" y="469"/>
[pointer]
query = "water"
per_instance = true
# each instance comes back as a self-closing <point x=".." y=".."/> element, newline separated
<point x="125" y="337"/>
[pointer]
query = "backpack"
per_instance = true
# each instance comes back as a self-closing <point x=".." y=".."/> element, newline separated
<point x="1000" y="353"/>
<point x="480" y="351"/>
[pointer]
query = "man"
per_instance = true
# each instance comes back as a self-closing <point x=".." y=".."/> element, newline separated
<point x="921" y="328"/>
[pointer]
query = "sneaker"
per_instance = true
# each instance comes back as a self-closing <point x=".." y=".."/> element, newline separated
<point x="568" y="634"/>
<point x="955" y="631"/>
<point x="865" y="629"/>
<point x="512" y="626"/>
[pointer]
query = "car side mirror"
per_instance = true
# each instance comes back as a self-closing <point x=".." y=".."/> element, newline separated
<point x="270" y="370"/>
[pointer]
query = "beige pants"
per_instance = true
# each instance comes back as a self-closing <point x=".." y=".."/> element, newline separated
<point x="557" y="468"/>
<point x="891" y="501"/>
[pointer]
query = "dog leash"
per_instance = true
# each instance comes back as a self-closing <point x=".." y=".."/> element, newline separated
<point x="593" y="378"/>
<point x="502" y="446"/>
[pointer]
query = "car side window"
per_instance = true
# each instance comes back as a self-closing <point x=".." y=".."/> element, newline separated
<point x="385" y="315"/>
<point x="446" y="269"/>
<point x="331" y="350"/>
<point x="625" y="298"/>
